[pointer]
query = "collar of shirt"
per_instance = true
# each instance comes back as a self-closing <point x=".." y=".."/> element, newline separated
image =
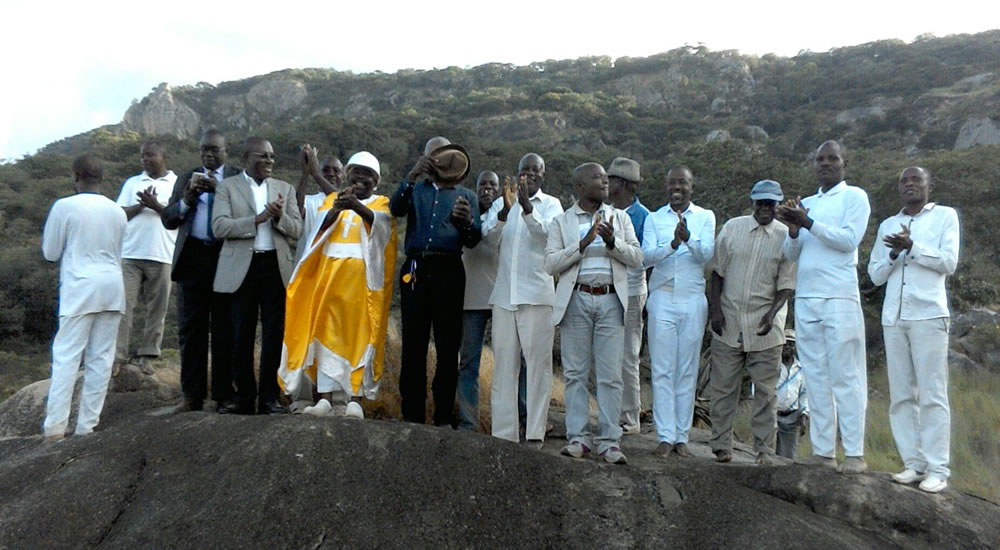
<point x="769" y="228"/>
<point x="927" y="208"/>
<point x="833" y="190"/>
<point x="147" y="177"/>
<point x="580" y="211"/>
<point x="253" y="181"/>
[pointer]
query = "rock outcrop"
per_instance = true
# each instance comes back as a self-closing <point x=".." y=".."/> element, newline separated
<point x="161" y="113"/>
<point x="977" y="131"/>
<point x="878" y="109"/>
<point x="202" y="480"/>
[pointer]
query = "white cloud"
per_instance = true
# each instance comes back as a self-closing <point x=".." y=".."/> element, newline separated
<point x="74" y="66"/>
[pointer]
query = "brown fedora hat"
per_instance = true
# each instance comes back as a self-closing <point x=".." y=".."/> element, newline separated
<point x="452" y="163"/>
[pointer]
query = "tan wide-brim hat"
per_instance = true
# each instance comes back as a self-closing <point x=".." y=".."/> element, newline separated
<point x="626" y="169"/>
<point x="452" y="165"/>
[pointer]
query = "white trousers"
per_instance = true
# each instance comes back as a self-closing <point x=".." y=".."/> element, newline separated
<point x="675" y="334"/>
<point x="830" y="337"/>
<point x="91" y="338"/>
<point x="528" y="330"/>
<point x="916" y="354"/>
<point x="631" y="395"/>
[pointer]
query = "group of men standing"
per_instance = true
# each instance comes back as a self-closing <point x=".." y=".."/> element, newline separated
<point x="497" y="253"/>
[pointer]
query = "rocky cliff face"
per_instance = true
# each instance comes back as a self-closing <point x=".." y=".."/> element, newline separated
<point x="160" y="113"/>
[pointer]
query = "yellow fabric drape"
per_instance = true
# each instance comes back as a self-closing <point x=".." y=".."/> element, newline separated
<point x="337" y="303"/>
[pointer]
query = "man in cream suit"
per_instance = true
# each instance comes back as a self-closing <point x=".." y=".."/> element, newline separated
<point x="258" y="216"/>
<point x="590" y="247"/>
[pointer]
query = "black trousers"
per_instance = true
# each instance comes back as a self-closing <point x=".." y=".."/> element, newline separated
<point x="262" y="292"/>
<point x="432" y="302"/>
<point x="200" y="312"/>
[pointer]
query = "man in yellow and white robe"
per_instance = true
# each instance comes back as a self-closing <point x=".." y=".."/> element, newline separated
<point x="339" y="295"/>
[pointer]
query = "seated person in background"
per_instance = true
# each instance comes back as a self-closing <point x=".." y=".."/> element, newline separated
<point x="793" y="407"/>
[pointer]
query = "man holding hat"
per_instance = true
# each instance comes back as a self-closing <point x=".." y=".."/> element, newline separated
<point x="793" y="406"/>
<point x="442" y="217"/>
<point x="623" y="185"/>
<point x="339" y="295"/>
<point x="751" y="283"/>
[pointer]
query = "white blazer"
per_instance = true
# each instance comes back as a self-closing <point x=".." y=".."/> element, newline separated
<point x="562" y="255"/>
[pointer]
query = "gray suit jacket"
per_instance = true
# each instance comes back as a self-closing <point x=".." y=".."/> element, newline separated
<point x="173" y="219"/>
<point x="232" y="220"/>
<point x="562" y="255"/>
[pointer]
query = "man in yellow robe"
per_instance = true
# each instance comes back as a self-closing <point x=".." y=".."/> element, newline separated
<point x="338" y="297"/>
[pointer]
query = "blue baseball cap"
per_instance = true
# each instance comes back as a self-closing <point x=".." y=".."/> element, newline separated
<point x="765" y="190"/>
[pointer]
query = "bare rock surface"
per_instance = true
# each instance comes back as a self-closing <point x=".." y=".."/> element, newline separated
<point x="977" y="131"/>
<point x="203" y="480"/>
<point x="162" y="113"/>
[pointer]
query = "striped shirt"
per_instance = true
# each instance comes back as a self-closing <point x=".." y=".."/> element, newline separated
<point x="595" y="267"/>
<point x="750" y="259"/>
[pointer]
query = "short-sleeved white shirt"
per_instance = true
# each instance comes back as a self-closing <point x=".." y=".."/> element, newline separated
<point x="145" y="236"/>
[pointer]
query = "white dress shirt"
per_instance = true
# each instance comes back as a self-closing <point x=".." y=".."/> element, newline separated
<point x="202" y="220"/>
<point x="265" y="236"/>
<point x="521" y="277"/>
<point x="791" y="389"/>
<point x="481" y="262"/>
<point x="828" y="253"/>
<point x="84" y="233"/>
<point x="145" y="236"/>
<point x="680" y="271"/>
<point x="914" y="281"/>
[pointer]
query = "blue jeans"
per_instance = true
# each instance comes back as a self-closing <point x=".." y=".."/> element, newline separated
<point x="473" y="332"/>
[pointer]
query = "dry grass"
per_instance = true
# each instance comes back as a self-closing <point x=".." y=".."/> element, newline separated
<point x="975" y="431"/>
<point x="388" y="404"/>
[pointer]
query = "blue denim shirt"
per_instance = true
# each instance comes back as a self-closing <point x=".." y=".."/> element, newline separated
<point x="429" y="225"/>
<point x="638" y="213"/>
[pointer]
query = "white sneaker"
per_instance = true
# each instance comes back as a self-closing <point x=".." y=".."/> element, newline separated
<point x="321" y="408"/>
<point x="933" y="484"/>
<point x="354" y="410"/>
<point x="908" y="476"/>
<point x="614" y="455"/>
<point x="634" y="429"/>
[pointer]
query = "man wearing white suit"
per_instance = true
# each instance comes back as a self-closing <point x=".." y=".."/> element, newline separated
<point x="678" y="241"/>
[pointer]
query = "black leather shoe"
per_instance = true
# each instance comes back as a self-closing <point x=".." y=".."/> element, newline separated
<point x="235" y="408"/>
<point x="272" y="407"/>
<point x="189" y="405"/>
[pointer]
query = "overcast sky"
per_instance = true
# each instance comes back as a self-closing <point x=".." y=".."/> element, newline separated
<point x="70" y="67"/>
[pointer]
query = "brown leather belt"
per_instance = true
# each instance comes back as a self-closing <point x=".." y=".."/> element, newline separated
<point x="596" y="290"/>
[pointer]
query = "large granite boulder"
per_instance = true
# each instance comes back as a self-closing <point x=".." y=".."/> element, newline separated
<point x="203" y="480"/>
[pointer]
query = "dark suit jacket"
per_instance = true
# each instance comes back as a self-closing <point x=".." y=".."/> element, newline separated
<point x="173" y="219"/>
<point x="233" y="220"/>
